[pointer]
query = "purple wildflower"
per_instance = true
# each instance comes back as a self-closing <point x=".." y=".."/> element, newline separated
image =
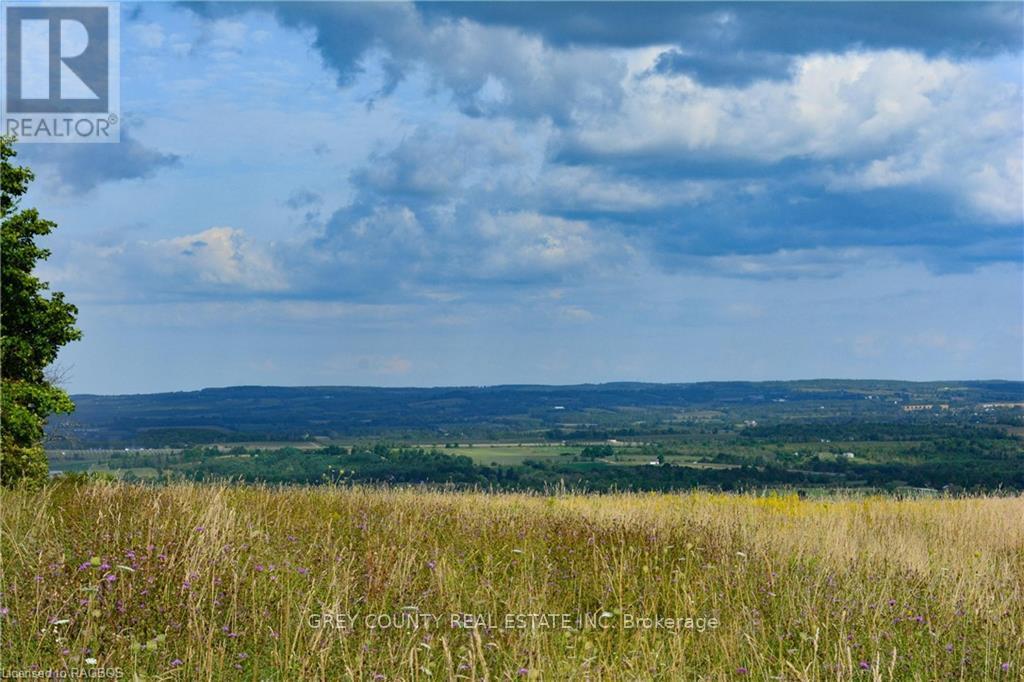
<point x="741" y="670"/>
<point x="175" y="663"/>
<point x="864" y="665"/>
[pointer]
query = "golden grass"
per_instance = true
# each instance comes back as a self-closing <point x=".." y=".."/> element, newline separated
<point x="219" y="582"/>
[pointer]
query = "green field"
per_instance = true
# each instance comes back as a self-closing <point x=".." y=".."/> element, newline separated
<point x="510" y="454"/>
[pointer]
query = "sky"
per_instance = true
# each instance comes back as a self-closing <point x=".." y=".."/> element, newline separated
<point x="472" y="194"/>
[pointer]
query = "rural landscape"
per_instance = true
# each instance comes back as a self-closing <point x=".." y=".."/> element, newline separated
<point x="498" y="341"/>
<point x="897" y="437"/>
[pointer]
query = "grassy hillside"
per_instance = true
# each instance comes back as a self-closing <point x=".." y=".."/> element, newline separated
<point x="212" y="582"/>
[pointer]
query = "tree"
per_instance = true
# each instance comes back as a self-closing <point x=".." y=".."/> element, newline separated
<point x="597" y="451"/>
<point x="33" y="328"/>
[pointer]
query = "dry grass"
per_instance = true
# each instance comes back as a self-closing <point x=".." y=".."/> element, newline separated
<point x="216" y="582"/>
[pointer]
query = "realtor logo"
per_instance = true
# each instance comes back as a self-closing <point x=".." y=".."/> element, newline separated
<point x="61" y="72"/>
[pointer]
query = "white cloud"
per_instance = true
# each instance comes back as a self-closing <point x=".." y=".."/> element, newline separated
<point x="527" y="242"/>
<point x="589" y="189"/>
<point x="574" y="313"/>
<point x="834" y="105"/>
<point x="899" y="118"/>
<point x="219" y="257"/>
<point x="794" y="263"/>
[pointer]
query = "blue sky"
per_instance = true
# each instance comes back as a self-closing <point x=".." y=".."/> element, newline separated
<point x="439" y="194"/>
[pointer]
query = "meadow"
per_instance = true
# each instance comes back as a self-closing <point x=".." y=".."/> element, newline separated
<point x="193" y="581"/>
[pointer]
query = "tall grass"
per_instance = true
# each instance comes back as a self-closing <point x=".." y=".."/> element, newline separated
<point x="220" y="582"/>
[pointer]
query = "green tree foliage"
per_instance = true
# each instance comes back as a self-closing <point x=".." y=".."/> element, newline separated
<point x="34" y="324"/>
<point x="597" y="452"/>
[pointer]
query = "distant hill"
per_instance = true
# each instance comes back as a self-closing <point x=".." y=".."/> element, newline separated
<point x="245" y="413"/>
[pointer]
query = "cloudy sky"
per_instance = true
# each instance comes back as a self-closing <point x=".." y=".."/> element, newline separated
<point x="439" y="194"/>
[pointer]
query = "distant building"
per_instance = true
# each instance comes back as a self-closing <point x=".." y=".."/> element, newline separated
<point x="925" y="407"/>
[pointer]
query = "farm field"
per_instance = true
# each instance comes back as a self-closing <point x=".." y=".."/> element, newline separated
<point x="509" y="454"/>
<point x="193" y="581"/>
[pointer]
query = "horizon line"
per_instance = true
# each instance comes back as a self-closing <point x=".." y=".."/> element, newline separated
<point x="556" y="385"/>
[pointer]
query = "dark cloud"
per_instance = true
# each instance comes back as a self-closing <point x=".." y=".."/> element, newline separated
<point x="738" y="69"/>
<point x="528" y="79"/>
<point x="790" y="212"/>
<point x="82" y="167"/>
<point x="735" y="43"/>
<point x="671" y="163"/>
<point x="343" y="31"/>
<point x="791" y="215"/>
<point x="960" y="28"/>
<point x="716" y="43"/>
